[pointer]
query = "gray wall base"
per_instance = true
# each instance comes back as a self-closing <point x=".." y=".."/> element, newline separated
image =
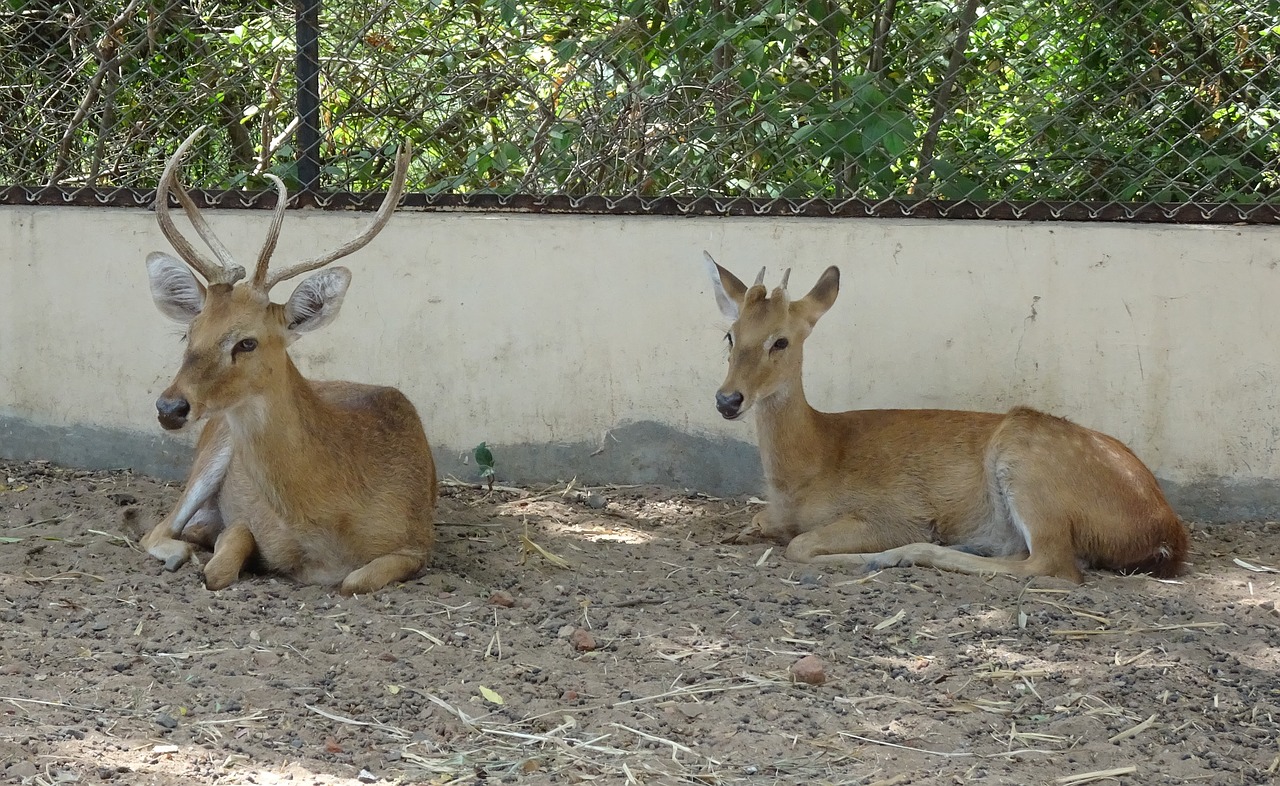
<point x="645" y="452"/>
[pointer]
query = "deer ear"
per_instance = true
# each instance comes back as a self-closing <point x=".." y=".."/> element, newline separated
<point x="729" y="290"/>
<point x="317" y="300"/>
<point x="175" y="289"/>
<point x="813" y="305"/>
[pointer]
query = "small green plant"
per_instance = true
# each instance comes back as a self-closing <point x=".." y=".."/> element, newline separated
<point x="484" y="460"/>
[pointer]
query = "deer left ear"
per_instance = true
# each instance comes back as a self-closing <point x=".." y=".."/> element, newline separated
<point x="813" y="305"/>
<point x="177" y="292"/>
<point x="317" y="300"/>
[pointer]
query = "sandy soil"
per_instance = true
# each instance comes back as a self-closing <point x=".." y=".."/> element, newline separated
<point x="658" y="655"/>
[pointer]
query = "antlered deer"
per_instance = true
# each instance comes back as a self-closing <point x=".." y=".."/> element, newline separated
<point x="1023" y="493"/>
<point x="326" y="482"/>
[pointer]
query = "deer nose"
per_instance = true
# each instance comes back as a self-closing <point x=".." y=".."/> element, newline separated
<point x="729" y="404"/>
<point x="172" y="412"/>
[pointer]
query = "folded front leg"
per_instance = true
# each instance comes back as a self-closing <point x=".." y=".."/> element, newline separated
<point x="235" y="546"/>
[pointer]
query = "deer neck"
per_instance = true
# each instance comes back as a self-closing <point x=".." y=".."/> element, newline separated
<point x="280" y="438"/>
<point x="789" y="434"/>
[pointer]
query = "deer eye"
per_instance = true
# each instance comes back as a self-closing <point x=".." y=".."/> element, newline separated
<point x="729" y="337"/>
<point x="244" y="345"/>
<point x="781" y="343"/>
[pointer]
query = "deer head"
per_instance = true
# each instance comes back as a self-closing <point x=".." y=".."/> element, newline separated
<point x="236" y="337"/>
<point x="766" y="339"/>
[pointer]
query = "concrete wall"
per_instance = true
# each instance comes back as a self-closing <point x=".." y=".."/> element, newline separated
<point x="591" y="346"/>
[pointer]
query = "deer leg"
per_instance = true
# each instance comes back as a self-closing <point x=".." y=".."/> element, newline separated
<point x="944" y="558"/>
<point x="213" y="457"/>
<point x="198" y="504"/>
<point x="1050" y="554"/>
<point x="235" y="546"/>
<point x="380" y="572"/>
<point x="1035" y="517"/>
<point x="172" y="552"/>
<point x="762" y="527"/>
<point x="850" y="541"/>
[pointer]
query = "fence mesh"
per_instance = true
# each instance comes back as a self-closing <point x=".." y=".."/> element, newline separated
<point x="881" y="106"/>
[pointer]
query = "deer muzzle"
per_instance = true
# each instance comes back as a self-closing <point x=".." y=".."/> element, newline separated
<point x="172" y="412"/>
<point x="729" y="404"/>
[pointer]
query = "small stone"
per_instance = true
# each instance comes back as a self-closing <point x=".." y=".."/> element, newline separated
<point x="367" y="777"/>
<point x="754" y="619"/>
<point x="100" y="625"/>
<point x="810" y="670"/>
<point x="595" y="501"/>
<point x="23" y="770"/>
<point x="166" y="721"/>
<point x="265" y="660"/>
<point x="569" y="695"/>
<point x="809" y="579"/>
<point x="296" y="743"/>
<point x="582" y="641"/>
<point x="502" y="598"/>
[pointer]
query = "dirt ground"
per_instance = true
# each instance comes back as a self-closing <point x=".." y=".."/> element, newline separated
<point x="657" y="655"/>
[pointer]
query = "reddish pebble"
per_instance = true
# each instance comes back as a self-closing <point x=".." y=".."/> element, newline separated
<point x="581" y="640"/>
<point x="502" y="599"/>
<point x="810" y="669"/>
<point x="569" y="695"/>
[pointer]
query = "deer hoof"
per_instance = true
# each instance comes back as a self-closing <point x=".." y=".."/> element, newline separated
<point x="217" y="577"/>
<point x="173" y="553"/>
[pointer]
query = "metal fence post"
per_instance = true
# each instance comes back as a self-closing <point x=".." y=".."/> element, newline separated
<point x="308" y="74"/>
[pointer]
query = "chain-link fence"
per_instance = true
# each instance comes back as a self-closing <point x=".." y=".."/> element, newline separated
<point x="1114" y="109"/>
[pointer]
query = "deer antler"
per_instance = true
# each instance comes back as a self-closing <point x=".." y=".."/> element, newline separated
<point x="273" y="234"/>
<point x="759" y="279"/>
<point x="225" y="270"/>
<point x="785" y="275"/>
<point x="379" y="221"/>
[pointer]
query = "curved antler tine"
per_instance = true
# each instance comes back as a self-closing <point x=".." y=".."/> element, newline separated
<point x="273" y="233"/>
<point x="759" y="279"/>
<point x="225" y="270"/>
<point x="786" y="274"/>
<point x="185" y="250"/>
<point x="379" y="221"/>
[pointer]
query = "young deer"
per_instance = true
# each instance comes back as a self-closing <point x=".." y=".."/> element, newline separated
<point x="1023" y="493"/>
<point x="326" y="482"/>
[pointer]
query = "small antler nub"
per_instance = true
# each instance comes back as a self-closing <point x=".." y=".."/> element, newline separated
<point x="759" y="279"/>
<point x="786" y="274"/>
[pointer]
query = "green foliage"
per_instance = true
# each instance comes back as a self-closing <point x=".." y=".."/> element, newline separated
<point x="1131" y="100"/>
<point x="484" y="460"/>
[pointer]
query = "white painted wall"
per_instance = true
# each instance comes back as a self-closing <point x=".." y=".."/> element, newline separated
<point x="550" y="329"/>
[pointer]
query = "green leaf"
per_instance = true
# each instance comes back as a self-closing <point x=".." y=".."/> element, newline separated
<point x="491" y="696"/>
<point x="483" y="456"/>
<point x="10" y="540"/>
<point x="509" y="11"/>
<point x="566" y="49"/>
<point x="840" y="133"/>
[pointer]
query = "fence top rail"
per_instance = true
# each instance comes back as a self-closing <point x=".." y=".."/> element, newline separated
<point x="594" y="204"/>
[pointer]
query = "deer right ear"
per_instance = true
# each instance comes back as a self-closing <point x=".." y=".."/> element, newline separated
<point x="729" y="290"/>
<point x="177" y="292"/>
